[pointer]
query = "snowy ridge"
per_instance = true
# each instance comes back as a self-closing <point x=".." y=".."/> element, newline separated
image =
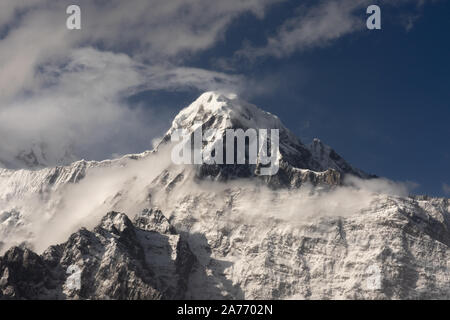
<point x="39" y="156"/>
<point x="14" y="184"/>
<point x="328" y="158"/>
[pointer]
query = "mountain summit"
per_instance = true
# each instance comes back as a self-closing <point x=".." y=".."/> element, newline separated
<point x="299" y="163"/>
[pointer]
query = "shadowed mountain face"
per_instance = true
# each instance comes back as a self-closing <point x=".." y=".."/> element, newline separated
<point x="117" y="260"/>
<point x="219" y="232"/>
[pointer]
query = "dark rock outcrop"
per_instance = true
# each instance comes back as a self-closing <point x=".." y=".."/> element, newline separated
<point x="117" y="260"/>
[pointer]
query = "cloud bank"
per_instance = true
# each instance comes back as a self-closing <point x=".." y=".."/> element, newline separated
<point x="446" y="188"/>
<point x="43" y="218"/>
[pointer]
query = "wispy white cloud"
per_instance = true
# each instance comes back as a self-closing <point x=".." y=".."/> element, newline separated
<point x="77" y="104"/>
<point x="311" y="27"/>
<point x="446" y="188"/>
<point x="320" y="24"/>
<point x="155" y="32"/>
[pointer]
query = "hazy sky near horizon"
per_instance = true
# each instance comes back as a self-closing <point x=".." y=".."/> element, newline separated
<point x="380" y="98"/>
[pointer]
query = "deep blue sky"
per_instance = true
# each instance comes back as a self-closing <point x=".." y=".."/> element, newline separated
<point x="381" y="99"/>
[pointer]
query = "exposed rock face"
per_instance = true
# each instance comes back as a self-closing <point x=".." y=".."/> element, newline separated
<point x="117" y="260"/>
<point x="391" y="248"/>
<point x="390" y="252"/>
<point x="328" y="158"/>
<point x="396" y="251"/>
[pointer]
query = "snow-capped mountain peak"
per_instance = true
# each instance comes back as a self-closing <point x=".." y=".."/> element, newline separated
<point x="224" y="111"/>
<point x="219" y="112"/>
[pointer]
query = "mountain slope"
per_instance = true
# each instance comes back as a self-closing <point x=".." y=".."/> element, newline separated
<point x="223" y="231"/>
<point x="395" y="251"/>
